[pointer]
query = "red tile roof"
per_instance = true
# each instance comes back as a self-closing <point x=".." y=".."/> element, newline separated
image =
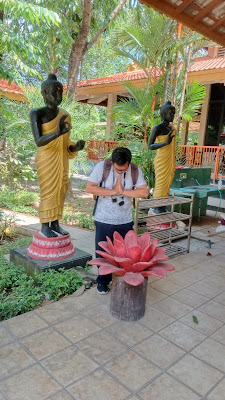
<point x="199" y="64"/>
<point x="12" y="87"/>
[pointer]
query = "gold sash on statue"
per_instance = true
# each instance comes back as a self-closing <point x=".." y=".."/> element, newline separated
<point x="52" y="162"/>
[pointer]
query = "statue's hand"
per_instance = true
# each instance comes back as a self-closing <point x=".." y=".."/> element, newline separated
<point x="63" y="126"/>
<point x="169" y="138"/>
<point x="79" y="145"/>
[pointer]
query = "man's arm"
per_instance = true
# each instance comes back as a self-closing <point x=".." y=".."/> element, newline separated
<point x="140" y="192"/>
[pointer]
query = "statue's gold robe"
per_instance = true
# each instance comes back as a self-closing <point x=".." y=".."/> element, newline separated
<point x="164" y="165"/>
<point x="52" y="162"/>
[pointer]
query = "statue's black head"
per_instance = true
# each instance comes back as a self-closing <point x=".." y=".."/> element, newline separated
<point x="56" y="88"/>
<point x="165" y="108"/>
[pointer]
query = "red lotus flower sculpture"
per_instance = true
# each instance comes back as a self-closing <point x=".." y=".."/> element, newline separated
<point x="133" y="257"/>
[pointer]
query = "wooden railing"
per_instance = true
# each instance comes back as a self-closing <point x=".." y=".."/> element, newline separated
<point x="187" y="155"/>
<point x="98" y="149"/>
<point x="203" y="156"/>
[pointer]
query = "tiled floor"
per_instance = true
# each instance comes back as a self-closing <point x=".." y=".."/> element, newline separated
<point x="75" y="349"/>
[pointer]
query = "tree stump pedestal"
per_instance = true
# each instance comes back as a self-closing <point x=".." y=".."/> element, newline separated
<point x="127" y="302"/>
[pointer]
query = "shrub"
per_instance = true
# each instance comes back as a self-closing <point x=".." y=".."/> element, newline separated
<point x="59" y="283"/>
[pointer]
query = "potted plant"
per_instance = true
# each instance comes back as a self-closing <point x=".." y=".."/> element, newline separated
<point x="131" y="260"/>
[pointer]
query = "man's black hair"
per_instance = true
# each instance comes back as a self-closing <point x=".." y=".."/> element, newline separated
<point x="121" y="155"/>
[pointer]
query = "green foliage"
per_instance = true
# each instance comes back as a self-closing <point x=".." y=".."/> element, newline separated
<point x="21" y="54"/>
<point x="85" y="221"/>
<point x="194" y="96"/>
<point x="7" y="227"/>
<point x="18" y="200"/>
<point x="18" y="293"/>
<point x="59" y="283"/>
<point x="144" y="158"/>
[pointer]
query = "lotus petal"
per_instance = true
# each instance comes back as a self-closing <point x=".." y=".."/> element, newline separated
<point x="105" y="246"/>
<point x="100" y="261"/>
<point x="125" y="263"/>
<point x="119" y="249"/>
<point x="134" y="253"/>
<point x="131" y="239"/>
<point x="156" y="271"/>
<point x="117" y="236"/>
<point x="111" y="247"/>
<point x="133" y="279"/>
<point x="141" y="266"/>
<point x="166" y="266"/>
<point x="149" y="251"/>
<point x="108" y="257"/>
<point x="144" y="240"/>
<point x="159" y="255"/>
<point x="105" y="270"/>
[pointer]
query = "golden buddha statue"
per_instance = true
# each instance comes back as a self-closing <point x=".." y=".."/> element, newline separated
<point x="51" y="129"/>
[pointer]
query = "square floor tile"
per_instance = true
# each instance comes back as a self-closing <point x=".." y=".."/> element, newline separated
<point x="77" y="328"/>
<point x="69" y="365"/>
<point x="1" y="397"/>
<point x="182" y="335"/>
<point x="181" y="278"/>
<point x="130" y="333"/>
<point x="173" y="307"/>
<point x="31" y="384"/>
<point x="220" y="298"/>
<point x="101" y="347"/>
<point x="55" y="312"/>
<point x="25" y="324"/>
<point x="5" y="337"/>
<point x="132" y="370"/>
<point x="216" y="281"/>
<point x="212" y="352"/>
<point x="155" y="319"/>
<point x="190" y="298"/>
<point x="61" y="396"/>
<point x="195" y="374"/>
<point x="82" y="303"/>
<point x="214" y="309"/>
<point x="205" y="289"/>
<point x="218" y="392"/>
<point x="167" y="388"/>
<point x="166" y="286"/>
<point x="206" y="324"/>
<point x="219" y="335"/>
<point x="45" y="343"/>
<point x="98" y="385"/>
<point x="100" y="315"/>
<point x="159" y="351"/>
<point x="13" y="358"/>
<point x="153" y="296"/>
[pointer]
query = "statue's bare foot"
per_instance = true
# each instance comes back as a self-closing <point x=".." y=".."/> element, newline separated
<point x="48" y="232"/>
<point x="55" y="227"/>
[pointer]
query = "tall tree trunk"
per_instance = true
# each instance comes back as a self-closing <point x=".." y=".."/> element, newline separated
<point x="80" y="46"/>
<point x="179" y="29"/>
<point x="184" y="87"/>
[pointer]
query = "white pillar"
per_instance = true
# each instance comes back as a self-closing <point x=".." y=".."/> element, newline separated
<point x="112" y="100"/>
<point x="204" y="116"/>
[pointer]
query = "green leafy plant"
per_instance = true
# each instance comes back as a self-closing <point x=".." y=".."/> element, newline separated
<point x="18" y="200"/>
<point x="59" y="283"/>
<point x="7" y="225"/>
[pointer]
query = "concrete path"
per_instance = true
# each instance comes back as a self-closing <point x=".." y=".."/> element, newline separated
<point x="74" y="348"/>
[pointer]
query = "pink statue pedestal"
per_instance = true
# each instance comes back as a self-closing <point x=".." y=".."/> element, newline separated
<point x="55" y="248"/>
